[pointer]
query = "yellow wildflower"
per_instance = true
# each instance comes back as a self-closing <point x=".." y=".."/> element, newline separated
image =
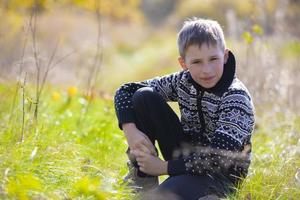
<point x="56" y="96"/>
<point x="72" y="91"/>
<point x="89" y="96"/>
<point x="257" y="29"/>
<point x="247" y="37"/>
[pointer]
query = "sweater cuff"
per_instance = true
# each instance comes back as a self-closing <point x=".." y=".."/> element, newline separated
<point x="126" y="117"/>
<point x="176" y="167"/>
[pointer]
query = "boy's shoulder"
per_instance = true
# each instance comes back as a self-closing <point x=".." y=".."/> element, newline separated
<point x="237" y="87"/>
<point x="237" y="84"/>
<point x="178" y="74"/>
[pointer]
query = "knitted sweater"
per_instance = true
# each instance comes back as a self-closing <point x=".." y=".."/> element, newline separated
<point x="218" y="121"/>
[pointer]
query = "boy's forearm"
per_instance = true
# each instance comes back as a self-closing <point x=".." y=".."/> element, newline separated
<point x="128" y="128"/>
<point x="131" y="133"/>
<point x="137" y="139"/>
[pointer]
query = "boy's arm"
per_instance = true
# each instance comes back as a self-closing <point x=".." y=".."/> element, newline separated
<point x="165" y="86"/>
<point x="225" y="154"/>
<point x="137" y="139"/>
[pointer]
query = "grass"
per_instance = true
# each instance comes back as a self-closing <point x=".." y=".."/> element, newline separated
<point x="276" y="159"/>
<point x="61" y="158"/>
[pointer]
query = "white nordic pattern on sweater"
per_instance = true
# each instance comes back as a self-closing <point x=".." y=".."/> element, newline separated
<point x="228" y="119"/>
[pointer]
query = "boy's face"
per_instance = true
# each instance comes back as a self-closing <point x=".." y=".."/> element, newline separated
<point x="205" y="63"/>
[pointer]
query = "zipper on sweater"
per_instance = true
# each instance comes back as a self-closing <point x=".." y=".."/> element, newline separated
<point x="199" y="108"/>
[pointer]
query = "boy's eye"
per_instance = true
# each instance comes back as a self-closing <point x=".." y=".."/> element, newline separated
<point x="214" y="59"/>
<point x="196" y="62"/>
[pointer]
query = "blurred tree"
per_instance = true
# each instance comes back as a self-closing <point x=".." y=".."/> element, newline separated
<point x="20" y="5"/>
<point x="156" y="11"/>
<point x="293" y="16"/>
<point x="116" y="9"/>
<point x="14" y="14"/>
<point x="271" y="14"/>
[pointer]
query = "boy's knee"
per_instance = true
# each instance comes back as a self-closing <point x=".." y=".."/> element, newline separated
<point x="145" y="94"/>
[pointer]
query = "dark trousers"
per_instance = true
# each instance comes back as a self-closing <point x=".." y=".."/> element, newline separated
<point x="160" y="123"/>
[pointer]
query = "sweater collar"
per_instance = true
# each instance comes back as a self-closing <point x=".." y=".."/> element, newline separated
<point x="225" y="81"/>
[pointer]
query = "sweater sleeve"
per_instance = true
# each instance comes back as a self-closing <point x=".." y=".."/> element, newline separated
<point x="229" y="149"/>
<point x="165" y="86"/>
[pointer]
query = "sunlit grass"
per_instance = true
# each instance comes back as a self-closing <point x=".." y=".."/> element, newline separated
<point x="62" y="157"/>
<point x="276" y="159"/>
<point x="72" y="155"/>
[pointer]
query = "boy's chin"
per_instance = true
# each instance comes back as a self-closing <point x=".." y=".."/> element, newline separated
<point x="207" y="85"/>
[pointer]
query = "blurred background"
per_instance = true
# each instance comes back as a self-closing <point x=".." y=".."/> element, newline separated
<point x="105" y="43"/>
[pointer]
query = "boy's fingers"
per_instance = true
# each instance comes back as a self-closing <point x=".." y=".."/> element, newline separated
<point x="153" y="152"/>
<point x="140" y="158"/>
<point x="141" y="164"/>
<point x="147" y="138"/>
<point x="135" y="153"/>
<point x="142" y="169"/>
<point x="148" y="141"/>
<point x="149" y="145"/>
<point x="144" y="148"/>
<point x="143" y="155"/>
<point x="138" y="153"/>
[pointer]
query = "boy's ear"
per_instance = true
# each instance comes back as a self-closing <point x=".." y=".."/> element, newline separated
<point x="226" y="55"/>
<point x="182" y="63"/>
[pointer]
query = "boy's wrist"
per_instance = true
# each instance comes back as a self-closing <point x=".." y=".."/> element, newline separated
<point x="164" y="168"/>
<point x="129" y="125"/>
<point x="128" y="129"/>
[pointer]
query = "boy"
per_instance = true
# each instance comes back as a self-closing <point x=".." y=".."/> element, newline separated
<point x="207" y="152"/>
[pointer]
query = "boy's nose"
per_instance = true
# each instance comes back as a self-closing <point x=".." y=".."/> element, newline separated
<point x="206" y="68"/>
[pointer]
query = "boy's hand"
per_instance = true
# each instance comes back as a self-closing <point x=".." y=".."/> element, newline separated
<point x="150" y="164"/>
<point x="137" y="140"/>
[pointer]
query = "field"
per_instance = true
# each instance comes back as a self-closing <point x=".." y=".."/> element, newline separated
<point x="65" y="58"/>
<point x="73" y="154"/>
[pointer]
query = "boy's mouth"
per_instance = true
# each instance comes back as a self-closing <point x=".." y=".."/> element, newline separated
<point x="207" y="79"/>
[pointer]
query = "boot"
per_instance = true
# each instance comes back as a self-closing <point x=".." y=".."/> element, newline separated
<point x="136" y="179"/>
